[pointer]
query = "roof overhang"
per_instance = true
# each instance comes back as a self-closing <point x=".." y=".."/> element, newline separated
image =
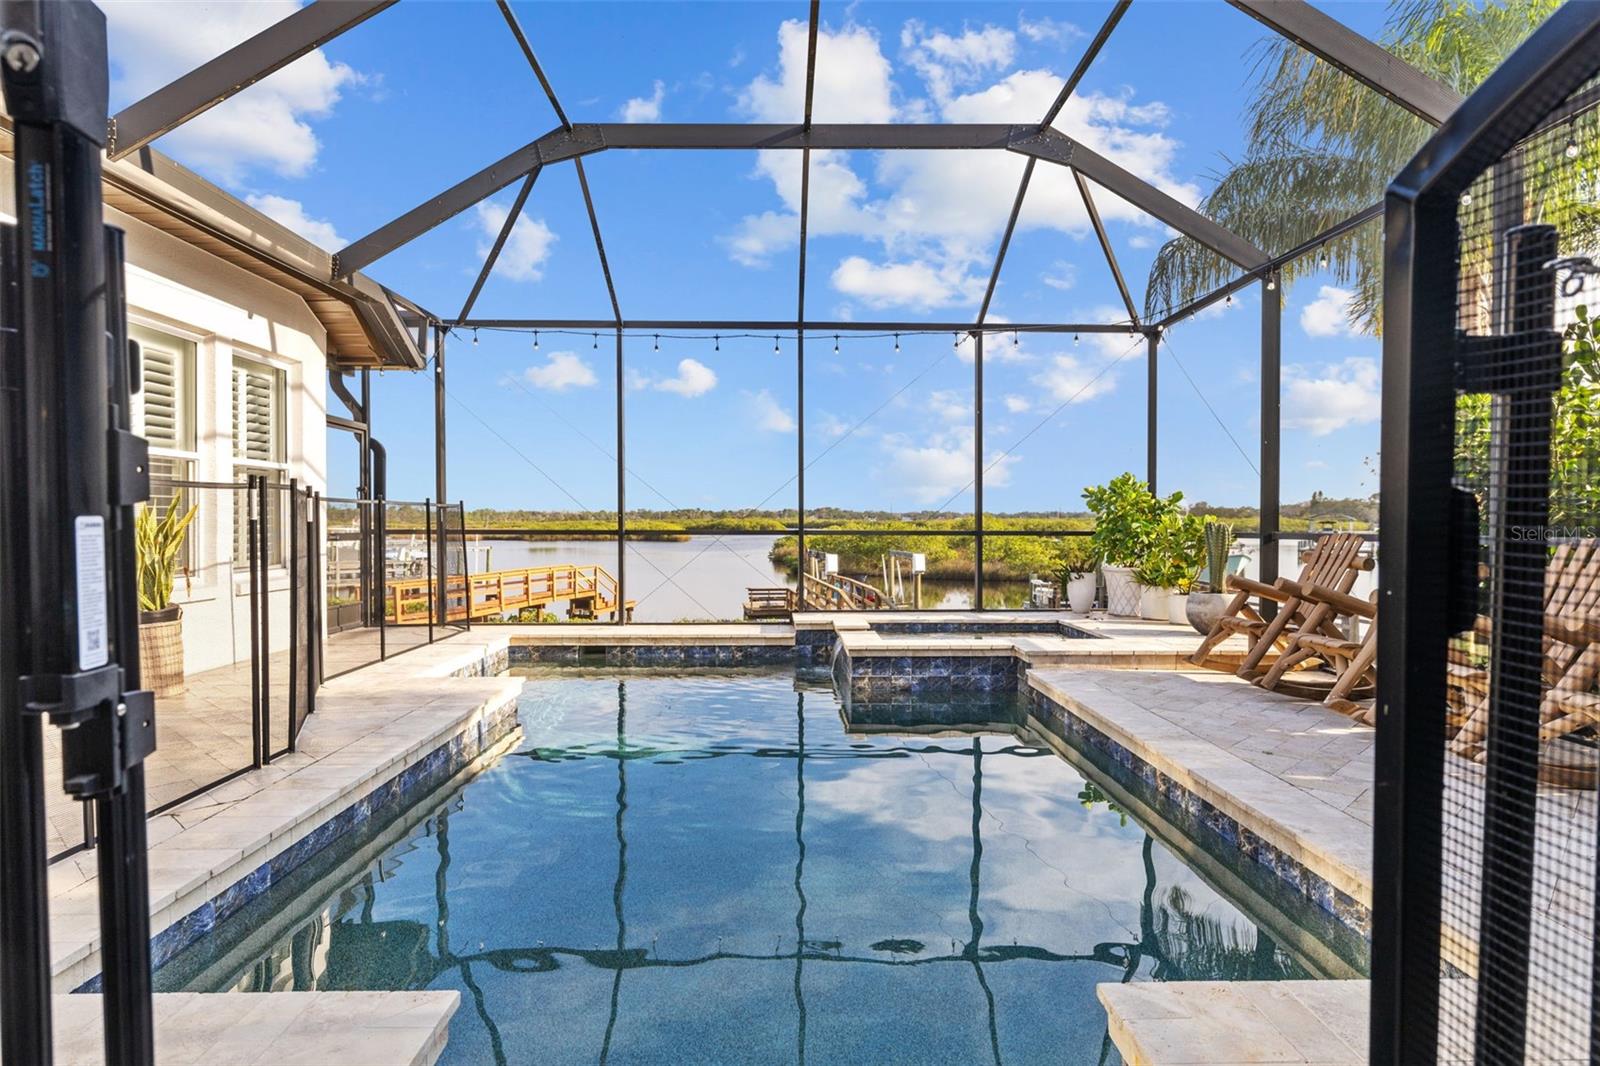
<point x="368" y="326"/>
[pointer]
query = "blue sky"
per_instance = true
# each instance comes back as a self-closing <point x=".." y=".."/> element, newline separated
<point x="427" y="92"/>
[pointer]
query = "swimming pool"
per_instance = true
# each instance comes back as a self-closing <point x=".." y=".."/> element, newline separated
<point x="726" y="866"/>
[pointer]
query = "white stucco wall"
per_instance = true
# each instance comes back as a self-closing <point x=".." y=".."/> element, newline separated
<point x="177" y="289"/>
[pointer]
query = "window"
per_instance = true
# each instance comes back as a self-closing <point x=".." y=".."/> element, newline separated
<point x="258" y="448"/>
<point x="164" y="414"/>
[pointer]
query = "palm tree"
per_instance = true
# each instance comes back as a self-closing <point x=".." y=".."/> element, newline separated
<point x="1321" y="147"/>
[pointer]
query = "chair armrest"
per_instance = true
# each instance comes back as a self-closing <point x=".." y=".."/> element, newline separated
<point x="1341" y="601"/>
<point x="1244" y="584"/>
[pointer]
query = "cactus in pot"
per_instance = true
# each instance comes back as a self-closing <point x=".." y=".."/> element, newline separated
<point x="1210" y="596"/>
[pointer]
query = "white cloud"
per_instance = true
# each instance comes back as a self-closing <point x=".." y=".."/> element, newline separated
<point x="1324" y="398"/>
<point x="266" y="125"/>
<point x="645" y="108"/>
<point x="1063" y="275"/>
<point x="932" y="471"/>
<point x="936" y="215"/>
<point x="1017" y="404"/>
<point x="525" y="251"/>
<point x="1141" y="240"/>
<point x="945" y="62"/>
<point x="292" y="213"/>
<point x="693" y="379"/>
<point x="1329" y="314"/>
<point x="561" y="371"/>
<point x="1067" y="380"/>
<point x="851" y="84"/>
<point x="769" y="414"/>
<point x="918" y="284"/>
<point x="1045" y="29"/>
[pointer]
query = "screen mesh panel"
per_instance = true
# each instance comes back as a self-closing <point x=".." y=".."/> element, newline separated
<point x="1516" y="958"/>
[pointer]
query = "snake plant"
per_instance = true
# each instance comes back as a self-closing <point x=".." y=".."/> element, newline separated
<point x="157" y="541"/>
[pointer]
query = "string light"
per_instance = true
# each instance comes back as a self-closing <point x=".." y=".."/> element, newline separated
<point x="1322" y="260"/>
<point x="717" y="338"/>
<point x="775" y="349"/>
<point x="1572" y="148"/>
<point x="957" y="342"/>
<point x="1466" y="199"/>
<point x="658" y="342"/>
<point x="1229" y="301"/>
<point x="596" y="340"/>
<point x="1074" y="340"/>
<point x="535" y="340"/>
<point x="1015" y="341"/>
<point x="835" y="344"/>
<point x="897" y="342"/>
<point x="1272" y="284"/>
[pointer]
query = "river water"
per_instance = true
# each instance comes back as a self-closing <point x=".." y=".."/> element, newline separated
<point x="701" y="577"/>
<point x="705" y="578"/>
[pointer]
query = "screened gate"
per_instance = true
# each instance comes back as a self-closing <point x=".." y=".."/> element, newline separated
<point x="1484" y="918"/>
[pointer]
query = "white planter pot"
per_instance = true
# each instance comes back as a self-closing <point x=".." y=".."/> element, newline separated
<point x="1080" y="593"/>
<point x="1178" y="609"/>
<point x="1153" y="603"/>
<point x="1122" y="595"/>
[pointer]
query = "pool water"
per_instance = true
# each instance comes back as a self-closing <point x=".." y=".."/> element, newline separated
<point x="715" y="868"/>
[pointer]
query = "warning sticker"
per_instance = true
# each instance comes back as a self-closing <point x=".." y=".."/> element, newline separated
<point x="89" y="542"/>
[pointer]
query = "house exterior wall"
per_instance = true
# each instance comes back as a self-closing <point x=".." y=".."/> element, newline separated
<point x="224" y="311"/>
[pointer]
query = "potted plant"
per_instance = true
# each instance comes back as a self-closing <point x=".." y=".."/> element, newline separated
<point x="1210" y="595"/>
<point x="1075" y="560"/>
<point x="157" y="542"/>
<point x="1128" y="521"/>
<point x="1176" y="548"/>
<point x="1121" y="510"/>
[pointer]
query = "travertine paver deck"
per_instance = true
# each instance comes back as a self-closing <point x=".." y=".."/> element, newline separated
<point x="1229" y="1023"/>
<point x="284" y="1028"/>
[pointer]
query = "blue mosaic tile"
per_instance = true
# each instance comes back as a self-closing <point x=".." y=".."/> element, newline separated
<point x="1199" y="818"/>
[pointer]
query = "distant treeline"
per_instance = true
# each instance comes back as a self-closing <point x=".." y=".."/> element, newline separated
<point x="1308" y="515"/>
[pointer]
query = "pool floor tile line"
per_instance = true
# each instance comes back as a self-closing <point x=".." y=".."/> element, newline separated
<point x="284" y="1028"/>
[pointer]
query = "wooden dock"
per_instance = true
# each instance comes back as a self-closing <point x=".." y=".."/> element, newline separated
<point x="588" y="592"/>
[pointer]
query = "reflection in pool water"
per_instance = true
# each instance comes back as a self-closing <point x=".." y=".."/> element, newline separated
<point x="714" y="868"/>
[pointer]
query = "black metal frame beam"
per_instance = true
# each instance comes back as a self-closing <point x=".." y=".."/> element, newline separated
<point x="1360" y="218"/>
<point x="733" y="327"/>
<point x="1086" y="60"/>
<point x="500" y="241"/>
<point x="1372" y="65"/>
<point x="238" y="68"/>
<point x="1105" y="245"/>
<point x="588" y="138"/>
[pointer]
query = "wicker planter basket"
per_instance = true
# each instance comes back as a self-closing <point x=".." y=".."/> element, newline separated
<point x="161" y="650"/>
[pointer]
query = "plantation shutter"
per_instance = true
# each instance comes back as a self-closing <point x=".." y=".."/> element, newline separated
<point x="255" y="411"/>
<point x="164" y="421"/>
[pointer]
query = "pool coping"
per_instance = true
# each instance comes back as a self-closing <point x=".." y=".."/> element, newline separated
<point x="1225" y="1023"/>
<point x="285" y="1028"/>
<point x="380" y="739"/>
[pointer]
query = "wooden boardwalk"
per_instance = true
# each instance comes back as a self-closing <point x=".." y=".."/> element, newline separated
<point x="588" y="592"/>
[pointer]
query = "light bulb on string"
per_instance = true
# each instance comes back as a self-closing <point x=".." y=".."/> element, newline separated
<point x="957" y="342"/>
<point x="1322" y="260"/>
<point x="1229" y="300"/>
<point x="835" y="344"/>
<point x="596" y="340"/>
<point x="1466" y="199"/>
<point x="1572" y="148"/>
<point x="775" y="349"/>
<point x="535" y="340"/>
<point x="657" y="345"/>
<point x="897" y="342"/>
<point x="1074" y="340"/>
<point x="717" y="342"/>
<point x="474" y="338"/>
<point x="1272" y="284"/>
<point x="1016" y="342"/>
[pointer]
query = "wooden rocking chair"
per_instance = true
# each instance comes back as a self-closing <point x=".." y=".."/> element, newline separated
<point x="1571" y="669"/>
<point x="1351" y="662"/>
<point x="1335" y="562"/>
